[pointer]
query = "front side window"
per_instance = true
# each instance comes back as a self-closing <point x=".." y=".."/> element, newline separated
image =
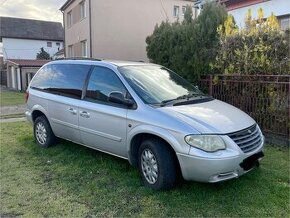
<point x="156" y="84"/>
<point x="102" y="82"/>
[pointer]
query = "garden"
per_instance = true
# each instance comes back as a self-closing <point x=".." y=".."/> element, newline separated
<point x="71" y="180"/>
<point x="247" y="67"/>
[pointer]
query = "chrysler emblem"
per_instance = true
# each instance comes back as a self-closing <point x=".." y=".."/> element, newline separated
<point x="249" y="131"/>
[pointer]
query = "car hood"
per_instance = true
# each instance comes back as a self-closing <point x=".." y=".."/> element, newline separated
<point x="212" y="117"/>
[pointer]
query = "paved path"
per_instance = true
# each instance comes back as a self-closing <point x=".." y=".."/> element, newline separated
<point x="17" y="109"/>
<point x="13" y="120"/>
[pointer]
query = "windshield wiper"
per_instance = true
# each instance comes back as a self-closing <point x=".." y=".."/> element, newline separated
<point x="187" y="97"/>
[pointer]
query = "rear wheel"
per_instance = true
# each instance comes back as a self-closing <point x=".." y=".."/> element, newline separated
<point x="157" y="165"/>
<point x="43" y="133"/>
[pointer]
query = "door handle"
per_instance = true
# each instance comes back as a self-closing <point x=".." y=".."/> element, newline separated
<point x="73" y="111"/>
<point x="84" y="114"/>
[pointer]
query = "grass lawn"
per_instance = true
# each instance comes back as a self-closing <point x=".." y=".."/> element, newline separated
<point x="11" y="98"/>
<point x="71" y="180"/>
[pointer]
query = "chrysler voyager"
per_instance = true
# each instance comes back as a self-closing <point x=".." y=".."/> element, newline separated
<point x="144" y="113"/>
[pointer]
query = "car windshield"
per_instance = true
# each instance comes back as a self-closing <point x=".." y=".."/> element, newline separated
<point x="156" y="85"/>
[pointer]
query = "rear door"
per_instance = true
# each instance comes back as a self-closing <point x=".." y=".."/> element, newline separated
<point x="67" y="84"/>
<point x="103" y="124"/>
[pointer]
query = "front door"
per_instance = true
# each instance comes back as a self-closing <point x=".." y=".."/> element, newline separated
<point x="103" y="124"/>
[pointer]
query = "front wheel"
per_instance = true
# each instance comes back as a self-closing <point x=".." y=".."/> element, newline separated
<point x="157" y="165"/>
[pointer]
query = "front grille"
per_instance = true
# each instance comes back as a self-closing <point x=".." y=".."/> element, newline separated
<point x="248" y="139"/>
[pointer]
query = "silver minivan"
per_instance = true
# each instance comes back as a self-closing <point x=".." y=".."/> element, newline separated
<point x="144" y="113"/>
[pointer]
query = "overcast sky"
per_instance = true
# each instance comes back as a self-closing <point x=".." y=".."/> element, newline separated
<point x="32" y="9"/>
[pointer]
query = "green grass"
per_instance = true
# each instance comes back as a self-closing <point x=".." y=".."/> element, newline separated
<point x="71" y="180"/>
<point x="9" y="98"/>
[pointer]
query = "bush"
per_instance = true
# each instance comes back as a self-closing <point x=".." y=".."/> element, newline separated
<point x="260" y="48"/>
<point x="43" y="55"/>
<point x="189" y="47"/>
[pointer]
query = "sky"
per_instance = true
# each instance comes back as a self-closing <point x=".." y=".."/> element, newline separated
<point x="32" y="9"/>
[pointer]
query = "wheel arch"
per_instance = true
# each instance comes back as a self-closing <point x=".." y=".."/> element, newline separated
<point x="137" y="137"/>
<point x="37" y="111"/>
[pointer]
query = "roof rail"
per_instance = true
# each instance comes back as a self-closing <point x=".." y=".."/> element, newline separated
<point x="80" y="58"/>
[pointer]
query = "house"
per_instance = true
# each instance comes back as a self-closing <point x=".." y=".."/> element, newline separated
<point x="239" y="9"/>
<point x="280" y="8"/>
<point x="111" y="29"/>
<point x="23" y="38"/>
<point x="58" y="55"/>
<point x="21" y="71"/>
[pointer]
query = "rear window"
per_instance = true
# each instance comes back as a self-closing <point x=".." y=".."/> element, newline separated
<point x="62" y="79"/>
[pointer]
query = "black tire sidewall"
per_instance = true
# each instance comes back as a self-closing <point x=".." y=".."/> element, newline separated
<point x="50" y="136"/>
<point x="167" y="175"/>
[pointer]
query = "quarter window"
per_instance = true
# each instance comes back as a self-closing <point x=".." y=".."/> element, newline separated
<point x="42" y="80"/>
<point x="62" y="79"/>
<point x="102" y="82"/>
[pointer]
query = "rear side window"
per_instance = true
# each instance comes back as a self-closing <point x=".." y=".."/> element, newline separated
<point x="42" y="80"/>
<point x="102" y="82"/>
<point x="62" y="79"/>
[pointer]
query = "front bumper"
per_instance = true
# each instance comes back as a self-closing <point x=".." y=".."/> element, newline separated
<point x="217" y="169"/>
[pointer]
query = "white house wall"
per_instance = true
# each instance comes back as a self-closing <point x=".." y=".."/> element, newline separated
<point x="26" y="48"/>
<point x="278" y="7"/>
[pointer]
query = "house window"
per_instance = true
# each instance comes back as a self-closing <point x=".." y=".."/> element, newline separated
<point x="183" y="10"/>
<point x="285" y="23"/>
<point x="70" y="51"/>
<point x="57" y="44"/>
<point x="49" y="44"/>
<point x="83" y="9"/>
<point x="84" y="48"/>
<point x="176" y="11"/>
<point x="69" y="19"/>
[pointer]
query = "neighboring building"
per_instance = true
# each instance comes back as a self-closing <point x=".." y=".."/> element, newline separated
<point x="58" y="55"/>
<point x="20" y="72"/>
<point x="23" y="38"/>
<point x="280" y="8"/>
<point x="113" y="29"/>
<point x="239" y="9"/>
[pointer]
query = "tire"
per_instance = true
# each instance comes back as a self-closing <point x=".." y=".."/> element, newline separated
<point x="43" y="134"/>
<point x="157" y="165"/>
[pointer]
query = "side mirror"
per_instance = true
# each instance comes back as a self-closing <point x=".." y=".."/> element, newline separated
<point x="119" y="98"/>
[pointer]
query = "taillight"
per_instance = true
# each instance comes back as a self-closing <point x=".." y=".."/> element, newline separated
<point x="26" y="96"/>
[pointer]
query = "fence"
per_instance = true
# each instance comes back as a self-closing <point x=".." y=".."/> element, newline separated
<point x="266" y="98"/>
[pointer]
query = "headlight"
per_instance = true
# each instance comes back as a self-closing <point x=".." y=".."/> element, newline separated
<point x="208" y="143"/>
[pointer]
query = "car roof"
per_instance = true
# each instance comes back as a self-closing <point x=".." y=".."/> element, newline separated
<point x="118" y="63"/>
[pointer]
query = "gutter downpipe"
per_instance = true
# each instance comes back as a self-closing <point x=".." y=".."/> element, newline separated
<point x="90" y="28"/>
